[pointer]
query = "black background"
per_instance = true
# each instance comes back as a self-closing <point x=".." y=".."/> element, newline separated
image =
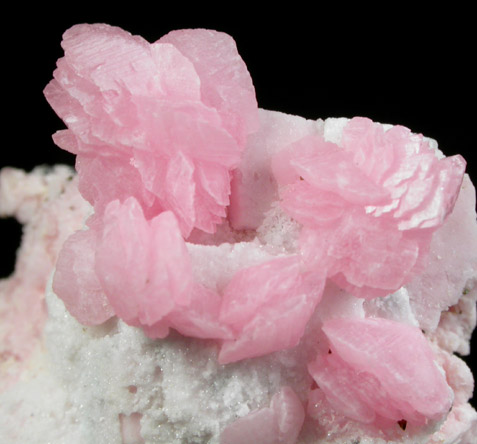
<point x="391" y="64"/>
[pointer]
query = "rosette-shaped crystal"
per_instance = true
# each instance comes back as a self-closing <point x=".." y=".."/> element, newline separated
<point x="381" y="370"/>
<point x="163" y="122"/>
<point x="138" y="270"/>
<point x="144" y="267"/>
<point x="368" y="206"/>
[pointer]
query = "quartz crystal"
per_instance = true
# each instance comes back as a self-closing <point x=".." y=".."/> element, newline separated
<point x="219" y="273"/>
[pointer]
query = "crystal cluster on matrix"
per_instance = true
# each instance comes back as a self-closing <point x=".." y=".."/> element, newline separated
<point x="257" y="277"/>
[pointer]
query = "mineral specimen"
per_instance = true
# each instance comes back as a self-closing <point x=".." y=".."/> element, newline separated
<point x="230" y="274"/>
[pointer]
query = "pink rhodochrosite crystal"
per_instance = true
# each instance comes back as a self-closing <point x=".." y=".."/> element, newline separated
<point x="95" y="269"/>
<point x="163" y="122"/>
<point x="147" y="259"/>
<point x="369" y="205"/>
<point x="228" y="266"/>
<point x="268" y="307"/>
<point x="278" y="424"/>
<point x="76" y="281"/>
<point x="381" y="369"/>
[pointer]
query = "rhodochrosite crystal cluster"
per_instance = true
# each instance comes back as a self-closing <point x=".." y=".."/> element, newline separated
<point x="368" y="207"/>
<point x="310" y="280"/>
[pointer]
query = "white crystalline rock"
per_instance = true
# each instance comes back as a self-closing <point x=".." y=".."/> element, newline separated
<point x="96" y="375"/>
<point x="89" y="381"/>
<point x="219" y="263"/>
<point x="396" y="306"/>
<point x="333" y="128"/>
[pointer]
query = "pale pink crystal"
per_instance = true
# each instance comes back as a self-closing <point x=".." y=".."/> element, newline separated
<point x="381" y="369"/>
<point x="200" y="319"/>
<point x="369" y="206"/>
<point x="76" y="281"/>
<point x="163" y="122"/>
<point x="290" y="415"/>
<point x="278" y="424"/>
<point x="216" y="60"/>
<point x="451" y="268"/>
<point x="143" y="266"/>
<point x="268" y="307"/>
<point x="138" y="270"/>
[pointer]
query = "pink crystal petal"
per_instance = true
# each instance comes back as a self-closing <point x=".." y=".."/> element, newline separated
<point x="330" y="168"/>
<point x="76" y="283"/>
<point x="268" y="306"/>
<point x="177" y="75"/>
<point x="69" y="109"/>
<point x="310" y="207"/>
<point x="122" y="259"/>
<point x="360" y="254"/>
<point x="143" y="267"/>
<point x="290" y="415"/>
<point x="225" y="82"/>
<point x="180" y="191"/>
<point x="369" y="145"/>
<point x="200" y="319"/>
<point x="66" y="140"/>
<point x="279" y="424"/>
<point x="259" y="427"/>
<point x="439" y="200"/>
<point x="99" y="184"/>
<point x="215" y="182"/>
<point x="269" y="281"/>
<point x="398" y="355"/>
<point x="342" y="389"/>
<point x="106" y="54"/>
